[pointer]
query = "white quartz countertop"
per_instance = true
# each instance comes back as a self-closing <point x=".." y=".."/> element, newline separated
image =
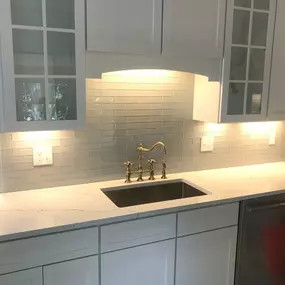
<point x="44" y="211"/>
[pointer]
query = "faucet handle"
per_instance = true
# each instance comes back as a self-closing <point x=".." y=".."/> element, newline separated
<point x="163" y="176"/>
<point x="151" y="162"/>
<point x="128" y="165"/>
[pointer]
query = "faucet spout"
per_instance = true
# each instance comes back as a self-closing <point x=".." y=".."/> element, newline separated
<point x="161" y="144"/>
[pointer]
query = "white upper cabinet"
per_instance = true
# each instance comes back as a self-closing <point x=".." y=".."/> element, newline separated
<point x="242" y="95"/>
<point x="276" y="104"/>
<point x="42" y="51"/>
<point x="26" y="277"/>
<point x="124" y="26"/>
<point x="194" y="28"/>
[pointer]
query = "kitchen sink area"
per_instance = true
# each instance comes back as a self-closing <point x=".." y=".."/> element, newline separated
<point x="150" y="193"/>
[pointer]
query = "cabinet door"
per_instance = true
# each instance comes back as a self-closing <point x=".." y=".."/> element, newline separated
<point x="194" y="28"/>
<point x="148" y="264"/>
<point x="125" y="26"/>
<point x="207" y="258"/>
<point x="1" y="89"/>
<point x="76" y="272"/>
<point x="276" y="104"/>
<point x="27" y="277"/>
<point x="43" y="51"/>
<point x="248" y="53"/>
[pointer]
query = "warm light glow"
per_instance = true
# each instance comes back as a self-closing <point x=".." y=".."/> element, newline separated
<point x="261" y="128"/>
<point x="39" y="136"/>
<point x="141" y="72"/>
<point x="144" y="76"/>
<point x="215" y="129"/>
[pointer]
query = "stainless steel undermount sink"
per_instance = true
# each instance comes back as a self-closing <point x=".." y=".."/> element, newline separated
<point x="151" y="192"/>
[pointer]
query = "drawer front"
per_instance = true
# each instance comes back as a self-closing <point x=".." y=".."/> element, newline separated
<point x="83" y="271"/>
<point x="26" y="277"/>
<point x="206" y="219"/>
<point x="25" y="253"/>
<point x="123" y="235"/>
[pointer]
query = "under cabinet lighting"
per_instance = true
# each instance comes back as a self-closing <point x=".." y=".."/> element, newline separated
<point x="260" y="128"/>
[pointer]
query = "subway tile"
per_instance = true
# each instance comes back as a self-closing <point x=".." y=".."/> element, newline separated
<point x="122" y="112"/>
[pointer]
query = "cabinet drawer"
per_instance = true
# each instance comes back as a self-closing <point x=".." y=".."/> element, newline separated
<point x="123" y="235"/>
<point x="25" y="253"/>
<point x="206" y="219"/>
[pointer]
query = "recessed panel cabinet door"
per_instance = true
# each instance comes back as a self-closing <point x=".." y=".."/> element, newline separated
<point x="125" y="26"/>
<point x="194" y="28"/>
<point x="151" y="264"/>
<point x="27" y="277"/>
<point x="75" y="272"/>
<point x="207" y="258"/>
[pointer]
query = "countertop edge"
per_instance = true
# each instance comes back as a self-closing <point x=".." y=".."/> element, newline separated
<point x="131" y="216"/>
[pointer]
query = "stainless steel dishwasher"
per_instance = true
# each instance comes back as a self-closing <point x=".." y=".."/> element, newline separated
<point x="261" y="242"/>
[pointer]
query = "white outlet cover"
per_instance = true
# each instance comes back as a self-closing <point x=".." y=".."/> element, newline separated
<point x="42" y="155"/>
<point x="207" y="144"/>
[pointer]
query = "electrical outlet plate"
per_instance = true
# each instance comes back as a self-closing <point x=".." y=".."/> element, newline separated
<point x="42" y="155"/>
<point x="207" y="144"/>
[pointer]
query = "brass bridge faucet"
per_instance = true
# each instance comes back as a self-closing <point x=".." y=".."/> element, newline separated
<point x="151" y="162"/>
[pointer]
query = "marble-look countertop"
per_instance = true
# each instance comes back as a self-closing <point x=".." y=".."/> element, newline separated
<point x="44" y="211"/>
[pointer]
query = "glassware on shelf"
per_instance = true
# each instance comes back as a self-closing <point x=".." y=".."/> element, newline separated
<point x="30" y="101"/>
<point x="58" y="108"/>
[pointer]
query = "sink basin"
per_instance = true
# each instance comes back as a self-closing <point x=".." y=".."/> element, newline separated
<point x="150" y="193"/>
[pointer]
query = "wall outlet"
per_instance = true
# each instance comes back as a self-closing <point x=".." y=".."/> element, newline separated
<point x="207" y="144"/>
<point x="42" y="155"/>
<point x="272" y="138"/>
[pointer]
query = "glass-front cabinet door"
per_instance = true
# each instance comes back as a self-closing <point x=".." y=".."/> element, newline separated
<point x="43" y="63"/>
<point x="248" y="52"/>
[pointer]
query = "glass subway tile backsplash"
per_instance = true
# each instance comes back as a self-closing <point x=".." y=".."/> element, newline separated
<point x="124" y="110"/>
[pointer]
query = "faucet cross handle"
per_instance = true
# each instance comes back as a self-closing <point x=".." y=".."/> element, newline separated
<point x="128" y="165"/>
<point x="163" y="176"/>
<point x="151" y="162"/>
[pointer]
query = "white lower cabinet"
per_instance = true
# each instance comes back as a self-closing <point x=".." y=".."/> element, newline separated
<point x="147" y="264"/>
<point x="26" y="277"/>
<point x="76" y="272"/>
<point x="207" y="258"/>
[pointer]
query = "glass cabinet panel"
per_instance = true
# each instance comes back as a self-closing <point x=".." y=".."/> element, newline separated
<point x="254" y="98"/>
<point x="241" y="27"/>
<point x="62" y="99"/>
<point x="61" y="53"/>
<point x="247" y="55"/>
<point x="236" y="98"/>
<point x="256" y="64"/>
<point x="259" y="29"/>
<point x="30" y="99"/>
<point x="238" y="63"/>
<point x="60" y="14"/>
<point x="262" y="4"/>
<point x="43" y="51"/>
<point x="28" y="52"/>
<point x="27" y="12"/>
<point x="243" y="3"/>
